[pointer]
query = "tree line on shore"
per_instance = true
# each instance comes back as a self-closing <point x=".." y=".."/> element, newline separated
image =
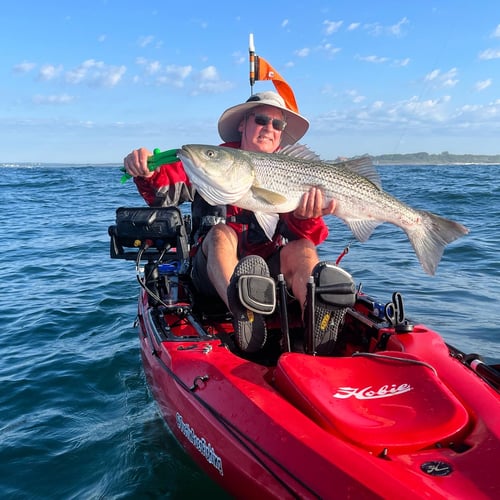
<point x="444" y="158"/>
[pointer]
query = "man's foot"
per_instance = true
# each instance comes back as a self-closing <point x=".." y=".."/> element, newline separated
<point x="330" y="307"/>
<point x="251" y="294"/>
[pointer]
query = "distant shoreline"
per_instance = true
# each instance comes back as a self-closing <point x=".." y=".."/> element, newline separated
<point x="408" y="159"/>
<point x="444" y="158"/>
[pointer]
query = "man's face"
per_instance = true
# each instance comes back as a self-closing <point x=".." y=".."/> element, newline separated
<point x="260" y="138"/>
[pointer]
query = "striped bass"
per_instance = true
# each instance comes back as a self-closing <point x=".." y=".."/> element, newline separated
<point x="269" y="184"/>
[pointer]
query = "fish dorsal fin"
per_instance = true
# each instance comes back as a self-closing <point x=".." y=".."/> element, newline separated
<point x="361" y="165"/>
<point x="267" y="196"/>
<point x="299" y="151"/>
<point x="267" y="222"/>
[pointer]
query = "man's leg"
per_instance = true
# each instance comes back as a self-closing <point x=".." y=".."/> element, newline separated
<point x="297" y="260"/>
<point x="224" y="271"/>
<point x="220" y="246"/>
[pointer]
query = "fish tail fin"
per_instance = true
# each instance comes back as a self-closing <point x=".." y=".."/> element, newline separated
<point x="431" y="237"/>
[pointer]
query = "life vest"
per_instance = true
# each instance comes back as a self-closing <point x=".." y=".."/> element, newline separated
<point x="251" y="238"/>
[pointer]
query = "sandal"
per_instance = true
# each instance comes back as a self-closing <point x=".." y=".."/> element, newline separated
<point x="330" y="306"/>
<point x="251" y="295"/>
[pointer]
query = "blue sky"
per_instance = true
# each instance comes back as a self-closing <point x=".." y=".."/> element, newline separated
<point x="88" y="81"/>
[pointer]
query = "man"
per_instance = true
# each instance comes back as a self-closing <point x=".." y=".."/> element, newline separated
<point x="239" y="246"/>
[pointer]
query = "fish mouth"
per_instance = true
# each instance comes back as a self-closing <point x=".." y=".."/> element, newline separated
<point x="184" y="153"/>
<point x="186" y="156"/>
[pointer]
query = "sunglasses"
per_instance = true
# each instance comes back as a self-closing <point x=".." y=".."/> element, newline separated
<point x="264" y="120"/>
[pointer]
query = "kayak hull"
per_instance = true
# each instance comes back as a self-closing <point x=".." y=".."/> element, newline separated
<point x="280" y="432"/>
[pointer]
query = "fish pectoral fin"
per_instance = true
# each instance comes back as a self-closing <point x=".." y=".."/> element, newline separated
<point x="215" y="196"/>
<point x="270" y="197"/>
<point x="267" y="222"/>
<point x="362" y="228"/>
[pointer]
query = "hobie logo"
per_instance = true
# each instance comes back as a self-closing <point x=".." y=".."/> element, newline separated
<point x="386" y="391"/>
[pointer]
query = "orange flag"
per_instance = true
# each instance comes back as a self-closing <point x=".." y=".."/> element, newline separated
<point x="264" y="71"/>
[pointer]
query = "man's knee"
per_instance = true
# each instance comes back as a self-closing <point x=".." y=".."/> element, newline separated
<point x="298" y="251"/>
<point x="297" y="260"/>
<point x="219" y="235"/>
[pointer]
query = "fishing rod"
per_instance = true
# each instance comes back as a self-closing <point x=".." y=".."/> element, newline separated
<point x="251" y="57"/>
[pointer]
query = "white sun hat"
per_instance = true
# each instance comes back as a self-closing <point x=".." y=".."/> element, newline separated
<point x="230" y="120"/>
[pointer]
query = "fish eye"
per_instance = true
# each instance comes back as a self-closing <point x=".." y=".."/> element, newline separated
<point x="210" y="153"/>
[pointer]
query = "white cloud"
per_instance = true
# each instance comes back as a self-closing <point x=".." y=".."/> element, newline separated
<point x="432" y="75"/>
<point x="152" y="67"/>
<point x="478" y="115"/>
<point x="24" y="67"/>
<point x="303" y="52"/>
<point x="427" y="110"/>
<point x="329" y="49"/>
<point x="327" y="89"/>
<point x="353" y="26"/>
<point x="412" y="113"/>
<point x="402" y="62"/>
<point x="373" y="59"/>
<point x="95" y="73"/>
<point x="429" y="117"/>
<point x="90" y="72"/>
<point x="332" y="26"/>
<point x="78" y="74"/>
<point x="144" y="41"/>
<point x="209" y="81"/>
<point x="355" y="96"/>
<point x="174" y="75"/>
<point x="209" y="73"/>
<point x="496" y="33"/>
<point x="396" y="29"/>
<point x="112" y="76"/>
<point x="483" y="84"/>
<point x="440" y="79"/>
<point x="490" y="54"/>
<point x="239" y="58"/>
<point x="53" y="99"/>
<point x="49" y="72"/>
<point x="449" y="82"/>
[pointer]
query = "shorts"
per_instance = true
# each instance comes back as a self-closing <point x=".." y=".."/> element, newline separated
<point x="199" y="272"/>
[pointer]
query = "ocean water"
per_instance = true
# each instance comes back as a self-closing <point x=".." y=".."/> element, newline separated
<point x="77" y="419"/>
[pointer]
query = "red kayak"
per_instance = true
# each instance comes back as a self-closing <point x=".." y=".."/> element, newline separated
<point x="391" y="411"/>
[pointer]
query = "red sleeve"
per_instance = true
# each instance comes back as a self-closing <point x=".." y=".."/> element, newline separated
<point x="314" y="230"/>
<point x="169" y="185"/>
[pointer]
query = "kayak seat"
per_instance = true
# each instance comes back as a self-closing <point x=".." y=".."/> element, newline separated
<point x="383" y="402"/>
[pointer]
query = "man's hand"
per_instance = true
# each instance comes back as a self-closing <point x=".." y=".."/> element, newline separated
<point x="136" y="163"/>
<point x="311" y="205"/>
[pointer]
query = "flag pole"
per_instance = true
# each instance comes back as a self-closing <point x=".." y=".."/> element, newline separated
<point x="251" y="56"/>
